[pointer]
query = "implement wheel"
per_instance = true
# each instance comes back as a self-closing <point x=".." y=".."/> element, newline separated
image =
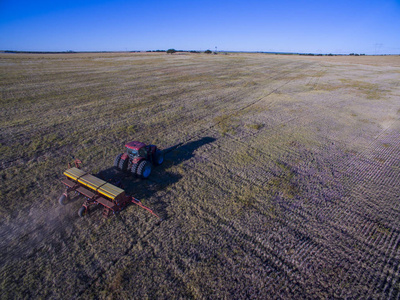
<point x="144" y="169"/>
<point x="62" y="199"/>
<point x="82" y="211"/>
<point x="117" y="159"/>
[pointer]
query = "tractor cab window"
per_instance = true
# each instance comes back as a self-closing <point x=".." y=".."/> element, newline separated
<point x="132" y="152"/>
<point x="142" y="152"/>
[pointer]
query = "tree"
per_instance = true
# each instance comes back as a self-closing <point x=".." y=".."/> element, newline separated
<point x="208" y="52"/>
<point x="170" y="51"/>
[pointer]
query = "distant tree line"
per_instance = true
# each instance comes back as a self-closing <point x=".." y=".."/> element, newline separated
<point x="172" y="51"/>
<point x="330" y="54"/>
<point x="356" y="54"/>
<point x="156" y="51"/>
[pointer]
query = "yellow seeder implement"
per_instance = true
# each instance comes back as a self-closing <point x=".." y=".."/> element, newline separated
<point x="96" y="191"/>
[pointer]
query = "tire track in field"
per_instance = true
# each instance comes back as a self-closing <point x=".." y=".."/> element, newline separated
<point x="236" y="112"/>
<point x="201" y="133"/>
<point x="104" y="94"/>
<point x="364" y="171"/>
<point x="131" y="247"/>
<point x="273" y="77"/>
<point x="280" y="262"/>
<point x="373" y="143"/>
<point x="367" y="233"/>
<point x="101" y="93"/>
<point x="374" y="243"/>
<point x="257" y="149"/>
<point x="350" y="215"/>
<point x="388" y="283"/>
<point x="392" y="178"/>
<point x="226" y="230"/>
<point x="384" y="256"/>
<point x="368" y="255"/>
<point x="380" y="276"/>
<point x="220" y="233"/>
<point x="209" y="182"/>
<point x="186" y="141"/>
<point x="212" y="126"/>
<point x="314" y="81"/>
<point x="47" y="236"/>
<point x="239" y="176"/>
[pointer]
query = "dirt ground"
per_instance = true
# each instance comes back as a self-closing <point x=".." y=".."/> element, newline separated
<point x="284" y="182"/>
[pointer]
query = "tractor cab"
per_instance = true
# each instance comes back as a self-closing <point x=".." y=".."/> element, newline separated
<point x="136" y="150"/>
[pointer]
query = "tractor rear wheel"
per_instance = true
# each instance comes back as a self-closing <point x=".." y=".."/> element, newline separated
<point x="117" y="159"/>
<point x="82" y="211"/>
<point x="158" y="157"/>
<point x="62" y="199"/>
<point x="123" y="164"/>
<point x="144" y="169"/>
<point x="134" y="168"/>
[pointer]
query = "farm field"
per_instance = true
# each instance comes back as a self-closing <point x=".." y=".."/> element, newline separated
<point x="284" y="183"/>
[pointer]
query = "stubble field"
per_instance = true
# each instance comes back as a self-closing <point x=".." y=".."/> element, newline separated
<point x="284" y="182"/>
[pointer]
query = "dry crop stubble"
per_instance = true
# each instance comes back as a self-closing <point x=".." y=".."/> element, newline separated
<point x="286" y="182"/>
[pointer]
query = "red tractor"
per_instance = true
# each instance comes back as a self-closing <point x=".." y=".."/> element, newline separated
<point x="139" y="158"/>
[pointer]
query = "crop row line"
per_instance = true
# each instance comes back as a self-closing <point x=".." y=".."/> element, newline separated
<point x="368" y="148"/>
<point x="93" y="281"/>
<point x="369" y="229"/>
<point x="212" y="182"/>
<point x="237" y="111"/>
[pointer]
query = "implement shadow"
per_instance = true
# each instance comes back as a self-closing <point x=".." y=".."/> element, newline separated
<point x="160" y="179"/>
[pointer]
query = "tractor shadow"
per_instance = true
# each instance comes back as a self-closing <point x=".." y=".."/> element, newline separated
<point x="181" y="152"/>
<point x="160" y="179"/>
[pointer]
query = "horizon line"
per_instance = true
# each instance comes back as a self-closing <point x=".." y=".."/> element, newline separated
<point x="195" y="51"/>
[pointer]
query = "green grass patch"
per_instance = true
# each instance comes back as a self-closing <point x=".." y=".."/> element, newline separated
<point x="226" y="124"/>
<point x="370" y="90"/>
<point x="255" y="126"/>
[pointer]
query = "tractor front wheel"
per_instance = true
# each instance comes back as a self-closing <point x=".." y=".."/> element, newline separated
<point x="82" y="211"/>
<point x="144" y="169"/>
<point x="117" y="159"/>
<point x="158" y="157"/>
<point x="123" y="164"/>
<point x="134" y="168"/>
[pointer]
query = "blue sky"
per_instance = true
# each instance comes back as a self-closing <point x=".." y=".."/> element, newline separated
<point x="370" y="27"/>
